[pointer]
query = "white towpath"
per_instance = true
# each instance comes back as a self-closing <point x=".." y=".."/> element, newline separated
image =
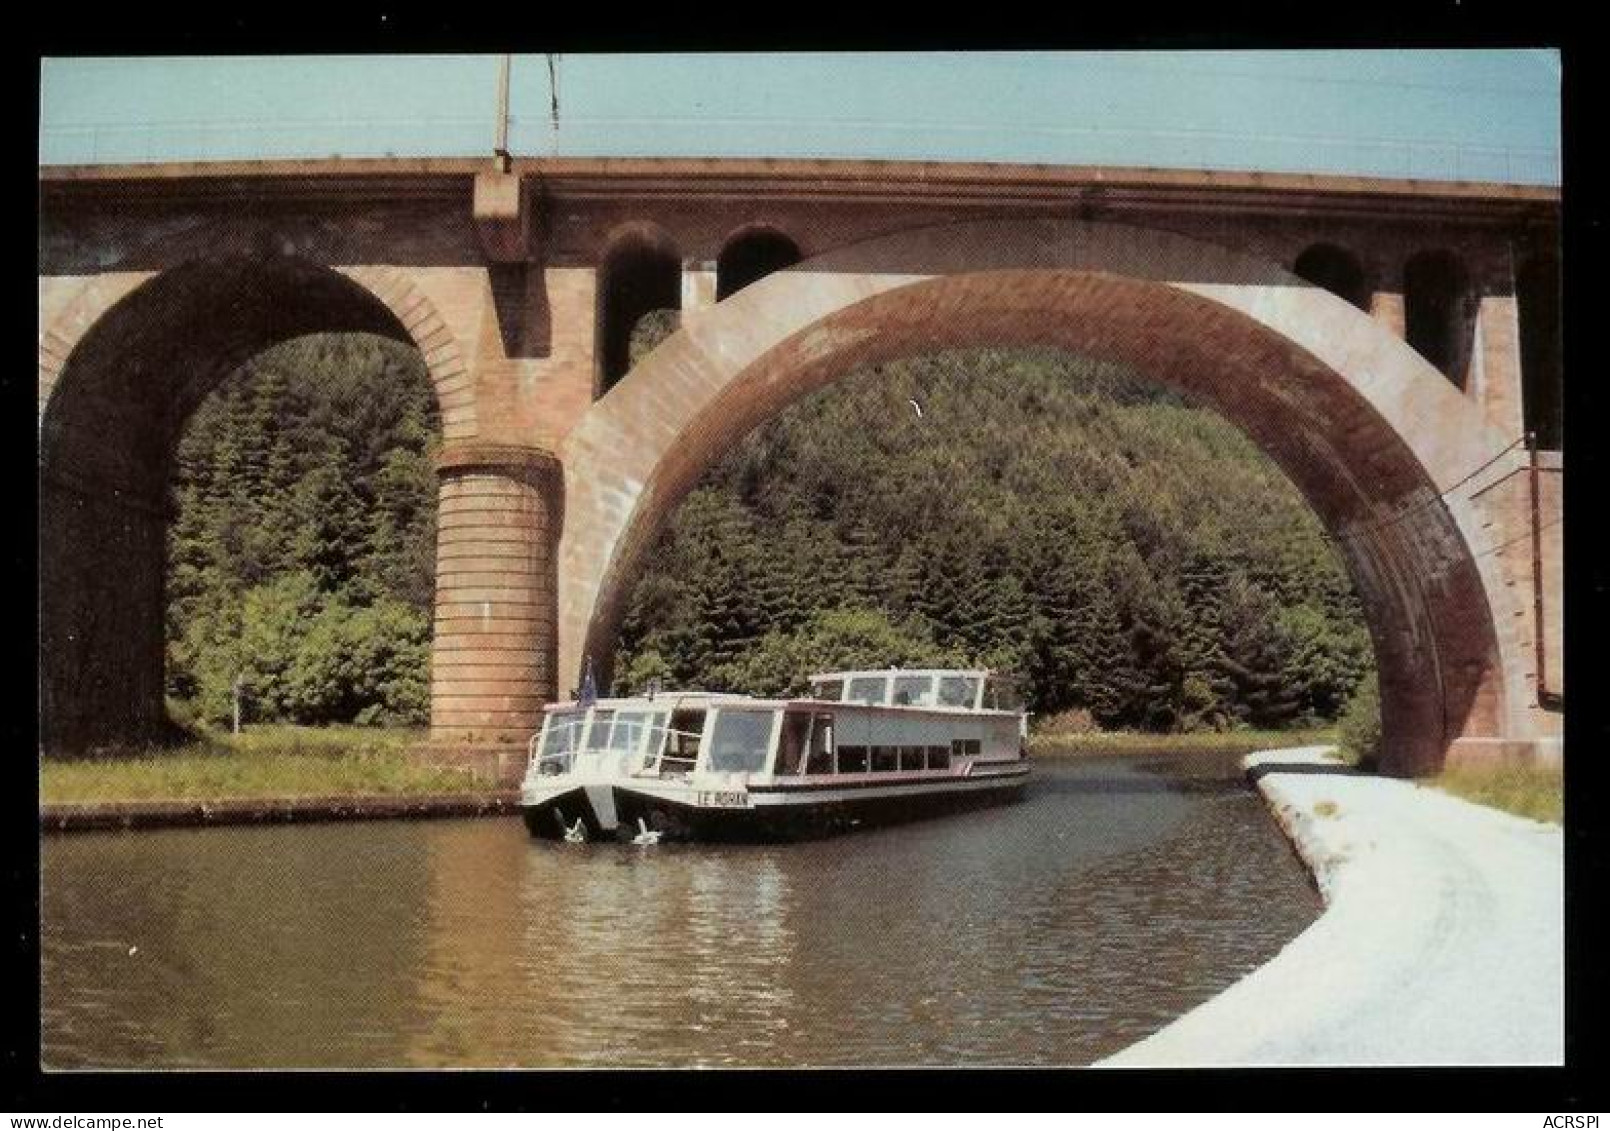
<point x="1442" y="940"/>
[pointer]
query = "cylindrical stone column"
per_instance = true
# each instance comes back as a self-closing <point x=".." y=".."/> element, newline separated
<point x="495" y="650"/>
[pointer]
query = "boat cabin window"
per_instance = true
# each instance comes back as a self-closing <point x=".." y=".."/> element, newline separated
<point x="628" y="732"/>
<point x="852" y="759"/>
<point x="885" y="759"/>
<point x="1001" y="695"/>
<point x="958" y="690"/>
<point x="965" y="747"/>
<point x="657" y="723"/>
<point x="867" y="689"/>
<point x="911" y="758"/>
<point x="914" y="690"/>
<point x="740" y="741"/>
<point x="792" y="743"/>
<point x="820" y="758"/>
<point x="598" y="737"/>
<point x="939" y="757"/>
<point x="682" y="743"/>
<point x="831" y="690"/>
<point x="560" y="737"/>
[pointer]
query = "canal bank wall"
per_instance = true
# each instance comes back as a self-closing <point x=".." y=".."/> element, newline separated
<point x="94" y="816"/>
<point x="1441" y="943"/>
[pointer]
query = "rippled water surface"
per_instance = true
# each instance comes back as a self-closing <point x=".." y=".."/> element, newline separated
<point x="1117" y="895"/>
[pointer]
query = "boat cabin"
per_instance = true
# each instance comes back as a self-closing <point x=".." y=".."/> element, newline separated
<point x="897" y="722"/>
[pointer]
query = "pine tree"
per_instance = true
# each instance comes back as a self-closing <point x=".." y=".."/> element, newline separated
<point x="1255" y="658"/>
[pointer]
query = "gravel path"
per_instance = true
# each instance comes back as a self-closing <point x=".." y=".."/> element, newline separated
<point x="1442" y="940"/>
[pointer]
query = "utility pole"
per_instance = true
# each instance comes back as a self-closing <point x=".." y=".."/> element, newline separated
<point x="1547" y="699"/>
<point x="237" y="703"/>
<point x="553" y="99"/>
<point x="500" y="151"/>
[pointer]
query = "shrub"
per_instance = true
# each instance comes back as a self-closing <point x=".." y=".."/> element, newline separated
<point x="311" y="659"/>
<point x="1360" y="726"/>
<point x="1075" y="720"/>
<point x="635" y="675"/>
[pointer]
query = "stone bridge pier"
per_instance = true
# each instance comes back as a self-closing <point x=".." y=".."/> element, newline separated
<point x="1388" y="344"/>
<point x="494" y="658"/>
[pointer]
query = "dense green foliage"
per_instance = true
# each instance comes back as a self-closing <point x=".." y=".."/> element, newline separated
<point x="301" y="557"/>
<point x="1360" y="729"/>
<point x="1132" y="556"/>
<point x="1128" y="553"/>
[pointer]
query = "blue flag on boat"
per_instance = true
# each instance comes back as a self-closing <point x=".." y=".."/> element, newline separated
<point x="589" y="689"/>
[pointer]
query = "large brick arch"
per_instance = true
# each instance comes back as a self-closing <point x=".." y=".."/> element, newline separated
<point x="1366" y="428"/>
<point x="121" y="368"/>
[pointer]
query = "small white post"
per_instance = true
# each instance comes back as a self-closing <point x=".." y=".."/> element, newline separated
<point x="237" y="704"/>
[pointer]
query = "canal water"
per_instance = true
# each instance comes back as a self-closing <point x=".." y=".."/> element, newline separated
<point x="1118" y="894"/>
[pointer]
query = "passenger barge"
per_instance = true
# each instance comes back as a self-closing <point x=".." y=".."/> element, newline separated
<point x="865" y="748"/>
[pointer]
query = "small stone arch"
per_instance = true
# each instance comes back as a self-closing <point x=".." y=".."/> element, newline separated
<point x="1537" y="300"/>
<point x="1439" y="312"/>
<point x="639" y="271"/>
<point x="749" y="255"/>
<point x="1335" y="269"/>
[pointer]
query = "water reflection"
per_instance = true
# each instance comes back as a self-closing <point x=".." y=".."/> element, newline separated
<point x="1055" y="931"/>
<point x="209" y="947"/>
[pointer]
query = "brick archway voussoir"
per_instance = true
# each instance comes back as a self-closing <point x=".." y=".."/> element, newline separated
<point x="444" y="358"/>
<point x="60" y="337"/>
<point x="388" y="285"/>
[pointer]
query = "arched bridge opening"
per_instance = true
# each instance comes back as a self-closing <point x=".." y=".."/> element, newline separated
<point x="110" y="424"/>
<point x="749" y="256"/>
<point x="1122" y="551"/>
<point x="1309" y="378"/>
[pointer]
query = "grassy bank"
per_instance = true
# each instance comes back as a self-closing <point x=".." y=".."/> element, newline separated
<point x="1536" y="792"/>
<point x="1105" y="743"/>
<point x="262" y="762"/>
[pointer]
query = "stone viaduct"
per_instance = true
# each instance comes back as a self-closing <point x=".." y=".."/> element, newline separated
<point x="1388" y="343"/>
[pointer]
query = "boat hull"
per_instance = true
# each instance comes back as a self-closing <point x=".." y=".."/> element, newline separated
<point x="773" y="816"/>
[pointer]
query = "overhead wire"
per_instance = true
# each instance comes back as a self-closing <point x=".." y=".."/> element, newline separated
<point x="1442" y="496"/>
<point x="1521" y="538"/>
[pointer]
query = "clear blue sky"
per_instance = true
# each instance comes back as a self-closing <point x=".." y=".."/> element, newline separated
<point x="1480" y="115"/>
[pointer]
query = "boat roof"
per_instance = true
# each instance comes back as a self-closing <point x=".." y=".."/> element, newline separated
<point x="862" y="673"/>
<point x="706" y="698"/>
<point x="662" y="697"/>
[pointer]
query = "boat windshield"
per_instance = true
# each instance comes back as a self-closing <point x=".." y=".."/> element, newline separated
<point x="867" y="689"/>
<point x="1001" y="695"/>
<point x="627" y="734"/>
<point x="958" y="690"/>
<point x="914" y="690"/>
<point x="830" y="689"/>
<point x="598" y="737"/>
<point x="560" y="737"/>
<point x="740" y="741"/>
